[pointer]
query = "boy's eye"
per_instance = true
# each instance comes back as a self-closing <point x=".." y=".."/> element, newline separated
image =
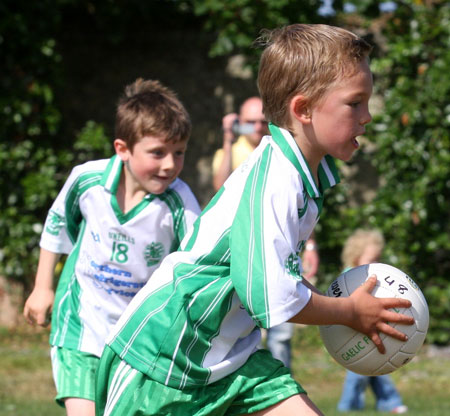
<point x="179" y="153"/>
<point x="354" y="104"/>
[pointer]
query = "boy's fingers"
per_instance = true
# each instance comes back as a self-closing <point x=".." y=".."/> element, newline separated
<point x="375" y="337"/>
<point x="27" y="315"/>
<point x="370" y="283"/>
<point x="396" y="303"/>
<point x="392" y="332"/>
<point x="398" y="318"/>
<point x="40" y="319"/>
<point x="33" y="317"/>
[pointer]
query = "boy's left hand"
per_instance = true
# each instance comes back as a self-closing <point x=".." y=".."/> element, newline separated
<point x="372" y="315"/>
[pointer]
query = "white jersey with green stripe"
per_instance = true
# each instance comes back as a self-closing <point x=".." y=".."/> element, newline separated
<point x="111" y="255"/>
<point x="238" y="270"/>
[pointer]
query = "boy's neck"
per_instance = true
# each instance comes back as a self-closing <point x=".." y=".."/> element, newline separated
<point x="310" y="155"/>
<point x="129" y="194"/>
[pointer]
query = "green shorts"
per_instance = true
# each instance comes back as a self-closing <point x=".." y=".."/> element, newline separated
<point x="260" y="383"/>
<point x="74" y="374"/>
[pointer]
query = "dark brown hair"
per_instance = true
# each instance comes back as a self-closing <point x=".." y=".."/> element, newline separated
<point x="147" y="108"/>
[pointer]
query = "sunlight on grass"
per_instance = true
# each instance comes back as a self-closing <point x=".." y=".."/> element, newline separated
<point x="26" y="384"/>
<point x="422" y="383"/>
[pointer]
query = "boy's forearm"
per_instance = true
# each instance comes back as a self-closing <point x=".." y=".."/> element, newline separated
<point x="324" y="310"/>
<point x="46" y="268"/>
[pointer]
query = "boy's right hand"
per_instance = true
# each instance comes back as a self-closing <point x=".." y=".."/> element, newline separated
<point x="39" y="306"/>
<point x="372" y="315"/>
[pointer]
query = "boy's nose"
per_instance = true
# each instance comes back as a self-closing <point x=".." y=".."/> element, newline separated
<point x="366" y="118"/>
<point x="168" y="162"/>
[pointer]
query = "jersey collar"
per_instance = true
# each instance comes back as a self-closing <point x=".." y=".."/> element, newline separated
<point x="328" y="174"/>
<point x="111" y="175"/>
<point x="110" y="180"/>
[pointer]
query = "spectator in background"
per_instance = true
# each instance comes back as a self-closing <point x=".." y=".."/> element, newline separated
<point x="364" y="247"/>
<point x="242" y="133"/>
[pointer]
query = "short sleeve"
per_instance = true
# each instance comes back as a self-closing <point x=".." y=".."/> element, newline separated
<point x="265" y="265"/>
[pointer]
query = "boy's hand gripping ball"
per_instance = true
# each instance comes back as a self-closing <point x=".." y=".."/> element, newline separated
<point x="355" y="351"/>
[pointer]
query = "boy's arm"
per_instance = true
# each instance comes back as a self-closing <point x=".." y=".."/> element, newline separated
<point x="40" y="302"/>
<point x="224" y="169"/>
<point x="360" y="311"/>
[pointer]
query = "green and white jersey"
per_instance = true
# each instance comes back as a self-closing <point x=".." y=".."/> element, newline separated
<point x="111" y="254"/>
<point x="238" y="269"/>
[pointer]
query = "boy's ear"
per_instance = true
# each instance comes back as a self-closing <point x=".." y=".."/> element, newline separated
<point x="299" y="109"/>
<point x="121" y="148"/>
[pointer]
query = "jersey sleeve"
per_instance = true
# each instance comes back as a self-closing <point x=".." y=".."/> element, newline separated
<point x="186" y="213"/>
<point x="265" y="263"/>
<point x="56" y="236"/>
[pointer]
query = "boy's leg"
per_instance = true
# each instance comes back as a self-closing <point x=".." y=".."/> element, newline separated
<point x="76" y="407"/>
<point x="295" y="405"/>
<point x="74" y="376"/>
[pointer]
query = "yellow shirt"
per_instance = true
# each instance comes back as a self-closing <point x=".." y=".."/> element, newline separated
<point x="239" y="152"/>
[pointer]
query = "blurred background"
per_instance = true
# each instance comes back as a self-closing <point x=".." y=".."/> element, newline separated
<point x="64" y="64"/>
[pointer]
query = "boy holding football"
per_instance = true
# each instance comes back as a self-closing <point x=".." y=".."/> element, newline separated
<point x="116" y="219"/>
<point x="187" y="343"/>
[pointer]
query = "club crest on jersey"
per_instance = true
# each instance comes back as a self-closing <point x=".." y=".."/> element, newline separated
<point x="292" y="265"/>
<point x="54" y="223"/>
<point x="153" y="254"/>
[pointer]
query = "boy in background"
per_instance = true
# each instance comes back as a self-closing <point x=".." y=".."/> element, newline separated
<point x="364" y="247"/>
<point x="187" y="343"/>
<point x="116" y="219"/>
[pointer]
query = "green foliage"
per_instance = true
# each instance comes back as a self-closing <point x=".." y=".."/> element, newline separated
<point x="29" y="122"/>
<point x="34" y="159"/>
<point x="413" y="151"/>
<point x="92" y="142"/>
<point x="237" y="23"/>
<point x="31" y="176"/>
<point x="28" y="181"/>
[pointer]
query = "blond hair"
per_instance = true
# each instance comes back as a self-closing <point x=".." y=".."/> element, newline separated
<point x="355" y="245"/>
<point x="304" y="59"/>
<point x="147" y="108"/>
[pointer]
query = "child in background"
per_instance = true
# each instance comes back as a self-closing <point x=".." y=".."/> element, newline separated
<point x="188" y="342"/>
<point x="364" y="247"/>
<point x="116" y="219"/>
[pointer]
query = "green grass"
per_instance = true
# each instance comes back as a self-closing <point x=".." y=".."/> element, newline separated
<point x="26" y="384"/>
<point x="422" y="383"/>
